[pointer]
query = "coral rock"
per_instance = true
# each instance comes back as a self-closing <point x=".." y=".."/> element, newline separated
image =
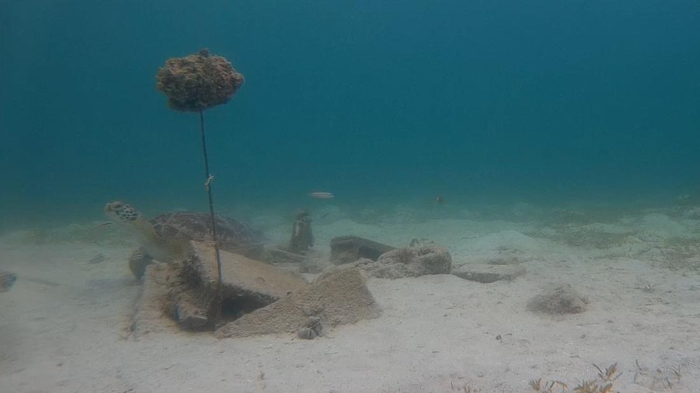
<point x="557" y="300"/>
<point x="409" y="262"/>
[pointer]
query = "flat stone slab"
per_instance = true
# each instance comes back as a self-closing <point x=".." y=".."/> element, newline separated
<point x="149" y="316"/>
<point x="247" y="285"/>
<point x="281" y="254"/>
<point x="337" y="298"/>
<point x="243" y="277"/>
<point x="184" y="294"/>
<point x="348" y="249"/>
<point x="485" y="273"/>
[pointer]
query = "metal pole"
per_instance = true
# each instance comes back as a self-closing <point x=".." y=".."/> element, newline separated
<point x="209" y="178"/>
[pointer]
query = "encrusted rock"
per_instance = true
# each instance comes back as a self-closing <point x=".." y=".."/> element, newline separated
<point x="558" y="300"/>
<point x="348" y="249"/>
<point x="336" y="298"/>
<point x="487" y="273"/>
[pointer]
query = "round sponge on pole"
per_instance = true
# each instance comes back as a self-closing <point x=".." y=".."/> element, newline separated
<point x="198" y="82"/>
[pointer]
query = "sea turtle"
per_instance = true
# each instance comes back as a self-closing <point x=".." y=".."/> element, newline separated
<point x="166" y="237"/>
<point x="7" y="279"/>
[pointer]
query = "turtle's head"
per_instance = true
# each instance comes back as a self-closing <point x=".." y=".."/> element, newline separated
<point x="121" y="213"/>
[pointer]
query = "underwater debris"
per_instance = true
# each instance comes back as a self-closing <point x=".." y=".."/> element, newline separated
<point x="198" y="82"/>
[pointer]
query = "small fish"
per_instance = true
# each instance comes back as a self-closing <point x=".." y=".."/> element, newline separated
<point x="7" y="279"/>
<point x="103" y="225"/>
<point x="321" y="195"/>
<point x="96" y="259"/>
<point x="41" y="281"/>
<point x="440" y="200"/>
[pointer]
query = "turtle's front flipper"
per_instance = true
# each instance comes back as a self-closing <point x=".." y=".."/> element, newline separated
<point x="138" y="261"/>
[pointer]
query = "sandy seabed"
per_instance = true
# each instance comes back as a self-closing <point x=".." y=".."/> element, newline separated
<point x="64" y="326"/>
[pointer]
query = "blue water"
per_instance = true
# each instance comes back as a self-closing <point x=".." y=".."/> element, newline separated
<point x="544" y="101"/>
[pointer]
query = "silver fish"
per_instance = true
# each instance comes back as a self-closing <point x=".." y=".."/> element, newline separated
<point x="321" y="195"/>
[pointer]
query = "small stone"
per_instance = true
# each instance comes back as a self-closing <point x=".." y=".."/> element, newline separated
<point x="314" y="328"/>
<point x="306" y="334"/>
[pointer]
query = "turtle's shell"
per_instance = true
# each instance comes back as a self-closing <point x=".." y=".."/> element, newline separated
<point x="234" y="236"/>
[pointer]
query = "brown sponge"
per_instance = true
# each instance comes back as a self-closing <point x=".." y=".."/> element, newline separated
<point x="198" y="82"/>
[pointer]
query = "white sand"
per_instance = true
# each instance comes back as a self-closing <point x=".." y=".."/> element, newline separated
<point x="436" y="334"/>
